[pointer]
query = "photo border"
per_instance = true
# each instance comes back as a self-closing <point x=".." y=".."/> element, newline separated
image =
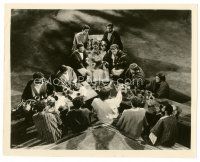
<point x="96" y="153"/>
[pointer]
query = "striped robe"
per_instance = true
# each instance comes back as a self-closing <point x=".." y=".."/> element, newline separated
<point x="47" y="126"/>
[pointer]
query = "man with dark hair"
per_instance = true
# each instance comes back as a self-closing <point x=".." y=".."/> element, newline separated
<point x="165" y="131"/>
<point x="159" y="86"/>
<point x="151" y="118"/>
<point x="78" y="60"/>
<point x="38" y="75"/>
<point x="117" y="61"/>
<point x="104" y="93"/>
<point x="81" y="37"/>
<point x="35" y="88"/>
<point x="106" y="108"/>
<point x="112" y="37"/>
<point x="78" y="118"/>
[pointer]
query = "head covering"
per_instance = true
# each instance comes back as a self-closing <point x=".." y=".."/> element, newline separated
<point x="114" y="46"/>
<point x="133" y="66"/>
<point x="161" y="76"/>
<point x="63" y="68"/>
<point x="38" y="75"/>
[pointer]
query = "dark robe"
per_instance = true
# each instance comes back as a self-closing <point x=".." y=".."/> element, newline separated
<point x="120" y="61"/>
<point x="165" y="131"/>
<point x="114" y="39"/>
<point x="27" y="93"/>
<point x="77" y="62"/>
<point x="137" y="78"/>
<point x="47" y="125"/>
<point x="78" y="120"/>
<point x="161" y="90"/>
<point x="150" y="120"/>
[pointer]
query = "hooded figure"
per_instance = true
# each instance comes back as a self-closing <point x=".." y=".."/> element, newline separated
<point x="159" y="86"/>
<point x="135" y="74"/>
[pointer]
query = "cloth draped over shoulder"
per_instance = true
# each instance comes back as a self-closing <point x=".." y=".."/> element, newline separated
<point x="138" y="77"/>
<point x="131" y="122"/>
<point x="67" y="78"/>
<point x="107" y="110"/>
<point x="104" y="112"/>
<point x="139" y="74"/>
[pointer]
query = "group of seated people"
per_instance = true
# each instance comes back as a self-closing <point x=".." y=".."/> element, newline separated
<point x="129" y="106"/>
<point x="107" y="53"/>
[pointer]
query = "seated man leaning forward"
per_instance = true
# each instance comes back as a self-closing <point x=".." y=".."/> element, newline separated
<point x="159" y="86"/>
<point x="78" y="60"/>
<point x="35" y="88"/>
<point x="136" y="75"/>
<point x="106" y="108"/>
<point x="117" y="61"/>
<point x="131" y="121"/>
<point x="66" y="76"/>
<point x="165" y="131"/>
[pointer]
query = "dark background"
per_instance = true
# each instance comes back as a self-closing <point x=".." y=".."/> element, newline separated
<point x="158" y="40"/>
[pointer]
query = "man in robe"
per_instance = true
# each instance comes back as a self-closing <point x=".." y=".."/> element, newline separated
<point x="117" y="61"/>
<point x="165" y="131"/>
<point x="136" y="75"/>
<point x="78" y="61"/>
<point x="131" y="120"/>
<point x="159" y="86"/>
<point x="47" y="124"/>
<point x="35" y="88"/>
<point x="78" y="118"/>
<point x="112" y="37"/>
